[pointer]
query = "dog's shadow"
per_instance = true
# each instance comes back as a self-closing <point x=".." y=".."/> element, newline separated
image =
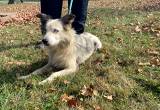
<point x="10" y="75"/>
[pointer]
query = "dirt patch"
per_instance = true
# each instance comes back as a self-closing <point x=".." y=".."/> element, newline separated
<point x="18" y="13"/>
<point x="148" y="5"/>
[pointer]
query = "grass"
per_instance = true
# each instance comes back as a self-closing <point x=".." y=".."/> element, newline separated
<point x="112" y="70"/>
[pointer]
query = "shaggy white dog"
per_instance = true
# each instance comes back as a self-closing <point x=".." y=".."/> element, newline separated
<point x="65" y="48"/>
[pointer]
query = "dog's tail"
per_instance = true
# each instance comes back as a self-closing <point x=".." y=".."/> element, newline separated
<point x="97" y="43"/>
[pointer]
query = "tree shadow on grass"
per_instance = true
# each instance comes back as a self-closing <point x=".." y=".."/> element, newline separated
<point x="9" y="76"/>
<point x="149" y="86"/>
<point x="7" y="47"/>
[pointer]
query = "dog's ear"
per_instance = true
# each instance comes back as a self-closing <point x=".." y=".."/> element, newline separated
<point x="43" y="16"/>
<point x="68" y="19"/>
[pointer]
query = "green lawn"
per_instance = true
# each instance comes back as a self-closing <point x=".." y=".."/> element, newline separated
<point x="113" y="71"/>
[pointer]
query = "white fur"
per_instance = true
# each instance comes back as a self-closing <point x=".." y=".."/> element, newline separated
<point x="52" y="39"/>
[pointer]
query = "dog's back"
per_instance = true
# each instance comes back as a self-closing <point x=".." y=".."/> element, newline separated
<point x="86" y="44"/>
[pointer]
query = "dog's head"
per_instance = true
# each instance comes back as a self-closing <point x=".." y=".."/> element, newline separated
<point x="56" y="30"/>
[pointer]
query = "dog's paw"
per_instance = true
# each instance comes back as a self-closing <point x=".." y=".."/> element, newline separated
<point x="43" y="82"/>
<point x="47" y="81"/>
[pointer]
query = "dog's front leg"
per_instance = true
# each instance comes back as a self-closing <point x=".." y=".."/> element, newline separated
<point x="54" y="75"/>
<point x="44" y="69"/>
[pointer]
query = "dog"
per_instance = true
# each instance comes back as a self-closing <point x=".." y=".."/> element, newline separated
<point x="66" y="49"/>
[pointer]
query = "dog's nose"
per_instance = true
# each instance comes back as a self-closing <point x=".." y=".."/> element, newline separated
<point x="45" y="41"/>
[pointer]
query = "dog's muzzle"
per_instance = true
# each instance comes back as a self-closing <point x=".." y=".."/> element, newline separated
<point x="45" y="42"/>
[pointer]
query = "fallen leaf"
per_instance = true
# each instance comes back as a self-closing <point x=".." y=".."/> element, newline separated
<point x="16" y="63"/>
<point x="138" y="23"/>
<point x="31" y="32"/>
<point x="155" y="61"/>
<point x="110" y="97"/>
<point x="11" y="41"/>
<point x="140" y="70"/>
<point x="153" y="52"/>
<point x="66" y="98"/>
<point x="144" y="64"/>
<point x="98" y="61"/>
<point x="97" y="107"/>
<point x="66" y="82"/>
<point x="119" y="40"/>
<point x="132" y="24"/>
<point x="87" y="91"/>
<point x="158" y="34"/>
<point x="80" y="108"/>
<point x="72" y="103"/>
<point x="125" y="62"/>
<point x="51" y="90"/>
<point x="137" y="29"/>
<point x="95" y="93"/>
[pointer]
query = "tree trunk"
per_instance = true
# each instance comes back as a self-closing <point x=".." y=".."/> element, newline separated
<point x="11" y="1"/>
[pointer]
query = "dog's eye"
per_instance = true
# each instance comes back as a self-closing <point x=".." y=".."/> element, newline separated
<point x="55" y="30"/>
